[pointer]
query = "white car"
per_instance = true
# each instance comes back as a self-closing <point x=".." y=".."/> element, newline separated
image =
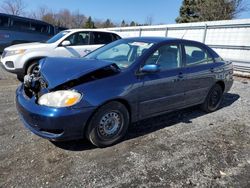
<point x="22" y="59"/>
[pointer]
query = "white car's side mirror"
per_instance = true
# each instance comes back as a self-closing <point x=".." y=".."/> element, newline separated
<point x="66" y="43"/>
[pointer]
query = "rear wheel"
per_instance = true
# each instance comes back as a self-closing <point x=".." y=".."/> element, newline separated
<point x="213" y="99"/>
<point x="108" y="125"/>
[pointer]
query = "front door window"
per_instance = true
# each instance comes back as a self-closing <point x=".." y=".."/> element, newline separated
<point x="77" y="39"/>
<point x="167" y="57"/>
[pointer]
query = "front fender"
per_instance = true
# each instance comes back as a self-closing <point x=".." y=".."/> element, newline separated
<point x="30" y="59"/>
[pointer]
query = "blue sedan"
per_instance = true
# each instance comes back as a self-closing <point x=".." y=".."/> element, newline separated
<point x="128" y="80"/>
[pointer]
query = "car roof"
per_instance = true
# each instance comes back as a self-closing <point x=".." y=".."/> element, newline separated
<point x="158" y="39"/>
<point x="101" y="30"/>
<point x="25" y="18"/>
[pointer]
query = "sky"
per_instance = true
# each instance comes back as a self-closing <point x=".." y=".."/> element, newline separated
<point x="161" y="11"/>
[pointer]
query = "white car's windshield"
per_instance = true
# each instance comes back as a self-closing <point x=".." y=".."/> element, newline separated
<point x="57" y="36"/>
<point x="122" y="52"/>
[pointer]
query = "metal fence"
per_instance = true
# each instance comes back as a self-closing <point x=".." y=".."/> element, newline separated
<point x="230" y="39"/>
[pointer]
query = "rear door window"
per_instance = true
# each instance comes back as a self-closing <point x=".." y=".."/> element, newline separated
<point x="196" y="56"/>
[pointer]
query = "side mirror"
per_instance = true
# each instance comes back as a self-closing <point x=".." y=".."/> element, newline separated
<point x="153" y="68"/>
<point x="66" y="43"/>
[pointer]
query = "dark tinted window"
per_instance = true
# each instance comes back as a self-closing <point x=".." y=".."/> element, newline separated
<point x="41" y="28"/>
<point x="59" y="29"/>
<point x="4" y="21"/>
<point x="167" y="57"/>
<point x="115" y="37"/>
<point x="51" y="30"/>
<point x="26" y="24"/>
<point x="196" y="55"/>
<point x="20" y="24"/>
<point x="102" y="38"/>
<point x="81" y="38"/>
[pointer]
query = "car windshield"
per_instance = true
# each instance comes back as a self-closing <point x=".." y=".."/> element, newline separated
<point x="57" y="36"/>
<point x="122" y="52"/>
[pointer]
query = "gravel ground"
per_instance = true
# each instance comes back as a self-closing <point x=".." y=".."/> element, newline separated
<point x="187" y="148"/>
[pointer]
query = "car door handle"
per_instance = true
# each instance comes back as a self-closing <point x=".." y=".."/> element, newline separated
<point x="211" y="69"/>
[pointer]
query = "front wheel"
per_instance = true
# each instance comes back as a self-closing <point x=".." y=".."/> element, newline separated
<point x="33" y="68"/>
<point x="108" y="125"/>
<point x="213" y="99"/>
<point x="20" y="77"/>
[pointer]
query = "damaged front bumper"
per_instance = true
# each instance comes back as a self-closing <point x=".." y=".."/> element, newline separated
<point x="52" y="123"/>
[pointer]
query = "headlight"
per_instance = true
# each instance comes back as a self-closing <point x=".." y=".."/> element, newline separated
<point x="61" y="98"/>
<point x="14" y="52"/>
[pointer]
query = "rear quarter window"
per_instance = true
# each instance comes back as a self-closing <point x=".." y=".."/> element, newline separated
<point x="102" y="38"/>
<point x="115" y="37"/>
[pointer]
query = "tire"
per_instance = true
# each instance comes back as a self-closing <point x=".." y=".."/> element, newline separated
<point x="20" y="77"/>
<point x="108" y="125"/>
<point x="32" y="67"/>
<point x="213" y="99"/>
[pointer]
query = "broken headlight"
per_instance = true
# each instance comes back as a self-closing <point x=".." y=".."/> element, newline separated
<point x="61" y="98"/>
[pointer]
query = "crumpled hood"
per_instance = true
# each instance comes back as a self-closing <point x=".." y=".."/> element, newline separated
<point x="57" y="71"/>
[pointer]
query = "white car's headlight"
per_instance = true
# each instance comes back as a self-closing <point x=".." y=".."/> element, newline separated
<point x="14" y="52"/>
<point x="61" y="98"/>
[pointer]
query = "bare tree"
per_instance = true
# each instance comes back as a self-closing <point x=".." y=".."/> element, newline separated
<point x="15" y="7"/>
<point x="39" y="13"/>
<point x="42" y="11"/>
<point x="98" y="23"/>
<point x="149" y="20"/>
<point x="64" y="17"/>
<point x="50" y="18"/>
<point x="78" y="19"/>
<point x="240" y="6"/>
